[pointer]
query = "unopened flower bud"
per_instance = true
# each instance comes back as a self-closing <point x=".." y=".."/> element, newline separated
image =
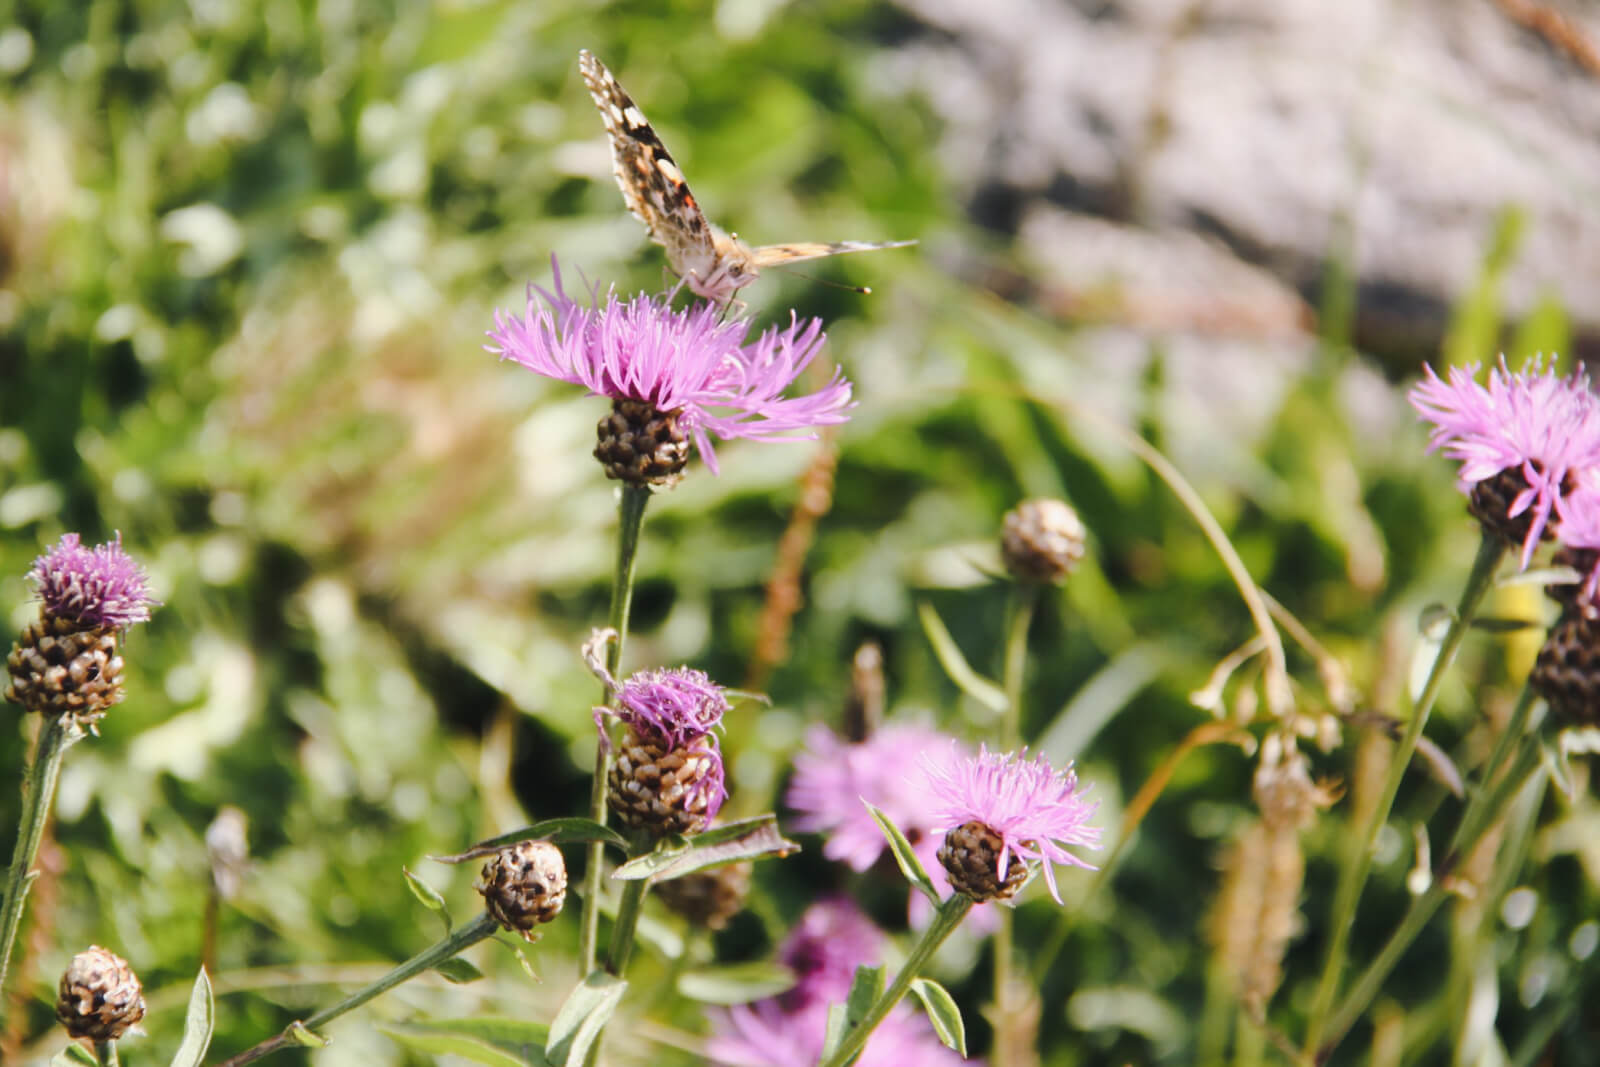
<point x="100" y="996"/>
<point x="1042" y="541"/>
<point x="708" y="898"/>
<point x="524" y="885"/>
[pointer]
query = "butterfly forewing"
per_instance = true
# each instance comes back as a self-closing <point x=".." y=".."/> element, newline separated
<point x="715" y="264"/>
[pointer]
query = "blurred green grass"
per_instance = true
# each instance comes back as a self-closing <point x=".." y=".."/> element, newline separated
<point x="250" y="253"/>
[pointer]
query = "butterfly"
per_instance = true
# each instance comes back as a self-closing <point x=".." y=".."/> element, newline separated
<point x="714" y="263"/>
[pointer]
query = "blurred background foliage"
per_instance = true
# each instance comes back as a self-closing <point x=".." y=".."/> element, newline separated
<point x="248" y="253"/>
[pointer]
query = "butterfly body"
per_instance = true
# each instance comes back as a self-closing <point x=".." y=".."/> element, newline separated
<point x="713" y="263"/>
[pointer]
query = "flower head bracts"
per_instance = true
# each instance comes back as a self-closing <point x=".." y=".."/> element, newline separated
<point x="92" y="587"/>
<point x="1544" y="426"/>
<point x="676" y="361"/>
<point x="1035" y="810"/>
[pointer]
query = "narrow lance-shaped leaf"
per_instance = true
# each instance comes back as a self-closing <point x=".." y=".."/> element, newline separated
<point x="587" y="1010"/>
<point x="747" y="839"/>
<point x="523" y="1038"/>
<point x="197" y="1024"/>
<point x="489" y="1041"/>
<point x="736" y="983"/>
<point x="910" y="866"/>
<point x="458" y="971"/>
<point x="955" y="665"/>
<point x="428" y="896"/>
<point x="865" y="989"/>
<point x="556" y="831"/>
<point x="942" y="1012"/>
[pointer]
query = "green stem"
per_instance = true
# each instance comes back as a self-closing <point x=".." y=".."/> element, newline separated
<point x="1485" y="804"/>
<point x="1358" y="865"/>
<point x="450" y="947"/>
<point x="1024" y="598"/>
<point x="56" y="735"/>
<point x="105" y="1054"/>
<point x="945" y="920"/>
<point x="622" y="931"/>
<point x="630" y="520"/>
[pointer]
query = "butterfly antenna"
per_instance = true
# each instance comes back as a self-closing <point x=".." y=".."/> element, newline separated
<point x="861" y="289"/>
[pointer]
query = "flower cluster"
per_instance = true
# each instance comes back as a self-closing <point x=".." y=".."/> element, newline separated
<point x="831" y="940"/>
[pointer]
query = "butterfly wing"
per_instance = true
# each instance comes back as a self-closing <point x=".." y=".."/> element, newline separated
<point x="776" y="255"/>
<point x="651" y="183"/>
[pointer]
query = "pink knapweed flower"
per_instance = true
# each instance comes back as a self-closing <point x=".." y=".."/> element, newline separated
<point x="763" y="1034"/>
<point x="689" y="362"/>
<point x="1535" y="424"/>
<point x="834" y="776"/>
<point x="1035" y="810"/>
<point x="830" y="941"/>
<point x="675" y="706"/>
<point x="824" y="949"/>
<point x="92" y="587"/>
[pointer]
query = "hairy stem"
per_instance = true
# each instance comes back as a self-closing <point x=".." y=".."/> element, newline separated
<point x="945" y="920"/>
<point x="447" y="949"/>
<point x="56" y="735"/>
<point x="630" y="520"/>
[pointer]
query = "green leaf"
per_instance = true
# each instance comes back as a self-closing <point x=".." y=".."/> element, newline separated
<point x="428" y="895"/>
<point x="459" y="971"/>
<point x="910" y="866"/>
<point x="556" y="831"/>
<point x="198" y="1024"/>
<point x="942" y="1012"/>
<point x="864" y="992"/>
<point x="736" y="983"/>
<point x="74" y="1056"/>
<point x="587" y="1009"/>
<point x="747" y="839"/>
<point x="955" y="665"/>
<point x="865" y="989"/>
<point x="493" y="1041"/>
<point x="835" y="1032"/>
<point x="304" y="1037"/>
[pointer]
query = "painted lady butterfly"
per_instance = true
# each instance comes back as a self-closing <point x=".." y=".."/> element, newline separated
<point x="715" y="264"/>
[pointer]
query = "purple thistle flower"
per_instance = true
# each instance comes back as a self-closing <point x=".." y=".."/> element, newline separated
<point x="833" y="776"/>
<point x="1035" y="810"/>
<point x="835" y="779"/>
<point x="674" y="706"/>
<point x="763" y="1034"/>
<point x="676" y="361"/>
<point x="824" y="949"/>
<point x="93" y="587"/>
<point x="1542" y="426"/>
